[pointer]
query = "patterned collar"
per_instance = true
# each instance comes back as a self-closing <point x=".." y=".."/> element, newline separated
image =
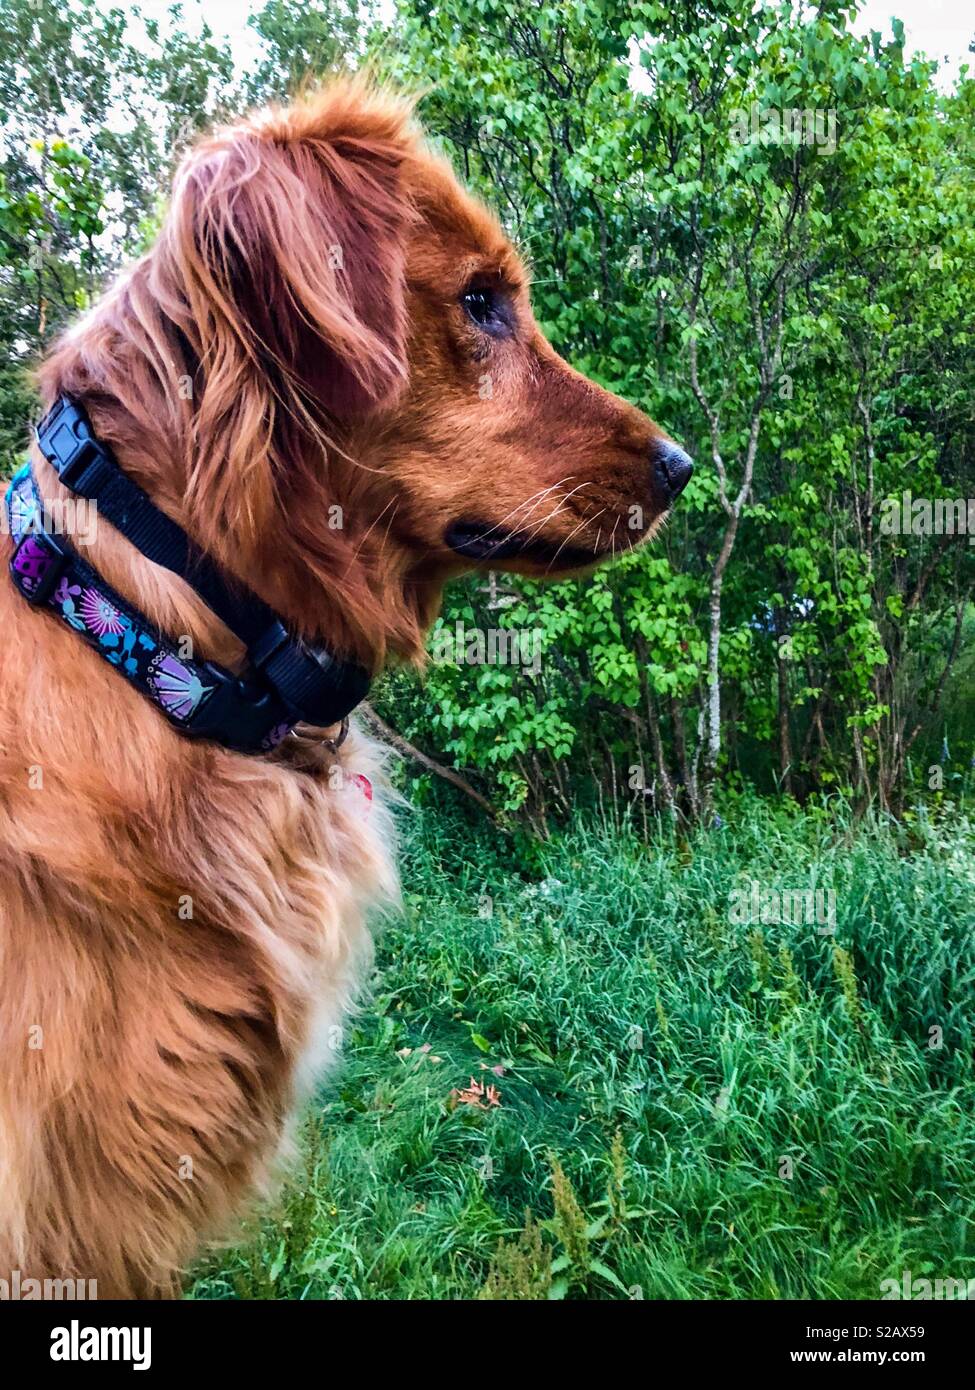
<point x="286" y="682"/>
<point x="51" y="575"/>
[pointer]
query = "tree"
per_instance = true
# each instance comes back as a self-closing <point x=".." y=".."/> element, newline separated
<point x="732" y="242"/>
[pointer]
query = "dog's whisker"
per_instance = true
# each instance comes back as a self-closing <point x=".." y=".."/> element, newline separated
<point x="394" y="503"/>
<point x="562" y="503"/>
<point x="557" y="510"/>
<point x="583" y="522"/>
<point x="531" y="502"/>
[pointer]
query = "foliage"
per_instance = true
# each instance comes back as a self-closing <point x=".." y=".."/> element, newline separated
<point x="799" y="311"/>
<point x="303" y="43"/>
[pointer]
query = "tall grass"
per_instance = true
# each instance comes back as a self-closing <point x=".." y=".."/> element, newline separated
<point x="689" y="1108"/>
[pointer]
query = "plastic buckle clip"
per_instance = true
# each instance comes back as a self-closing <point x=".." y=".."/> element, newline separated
<point x="237" y="712"/>
<point x="64" y="438"/>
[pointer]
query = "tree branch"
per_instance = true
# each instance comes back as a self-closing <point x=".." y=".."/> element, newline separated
<point x="407" y="750"/>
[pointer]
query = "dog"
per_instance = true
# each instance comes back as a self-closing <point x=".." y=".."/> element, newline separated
<point x="327" y="371"/>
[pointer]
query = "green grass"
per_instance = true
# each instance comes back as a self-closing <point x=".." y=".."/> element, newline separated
<point x="661" y="1067"/>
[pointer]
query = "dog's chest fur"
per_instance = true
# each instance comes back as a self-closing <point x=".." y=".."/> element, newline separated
<point x="181" y="936"/>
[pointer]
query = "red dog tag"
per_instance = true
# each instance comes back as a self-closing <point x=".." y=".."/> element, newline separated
<point x="363" y="783"/>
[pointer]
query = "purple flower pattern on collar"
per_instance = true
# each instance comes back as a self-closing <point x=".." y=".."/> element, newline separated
<point x="100" y="616"/>
<point x="122" y="636"/>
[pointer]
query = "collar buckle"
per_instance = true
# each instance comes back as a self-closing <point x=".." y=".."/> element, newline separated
<point x="65" y="439"/>
<point x="252" y="712"/>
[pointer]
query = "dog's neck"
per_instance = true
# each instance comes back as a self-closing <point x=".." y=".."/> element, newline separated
<point x="250" y="489"/>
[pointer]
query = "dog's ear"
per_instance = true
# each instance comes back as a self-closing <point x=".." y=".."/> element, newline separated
<point x="291" y="237"/>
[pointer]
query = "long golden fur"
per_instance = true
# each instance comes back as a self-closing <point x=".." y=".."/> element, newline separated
<point x="291" y="374"/>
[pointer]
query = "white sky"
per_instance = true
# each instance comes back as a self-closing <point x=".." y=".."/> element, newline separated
<point x="942" y="29"/>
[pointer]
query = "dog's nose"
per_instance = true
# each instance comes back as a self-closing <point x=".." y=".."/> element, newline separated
<point x="672" y="468"/>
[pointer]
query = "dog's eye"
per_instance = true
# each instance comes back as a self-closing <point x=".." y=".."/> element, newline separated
<point x="487" y="309"/>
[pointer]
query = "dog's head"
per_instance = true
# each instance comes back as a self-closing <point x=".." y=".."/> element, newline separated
<point x="371" y="406"/>
<point x="500" y="453"/>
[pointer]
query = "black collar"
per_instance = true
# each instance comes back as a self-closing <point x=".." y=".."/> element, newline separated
<point x="287" y="682"/>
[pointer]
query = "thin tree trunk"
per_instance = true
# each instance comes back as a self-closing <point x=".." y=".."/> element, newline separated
<point x="680" y="747"/>
<point x="653" y="727"/>
<point x="785" y="740"/>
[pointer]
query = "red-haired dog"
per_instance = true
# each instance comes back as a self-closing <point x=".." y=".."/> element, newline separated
<point x="327" y="372"/>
